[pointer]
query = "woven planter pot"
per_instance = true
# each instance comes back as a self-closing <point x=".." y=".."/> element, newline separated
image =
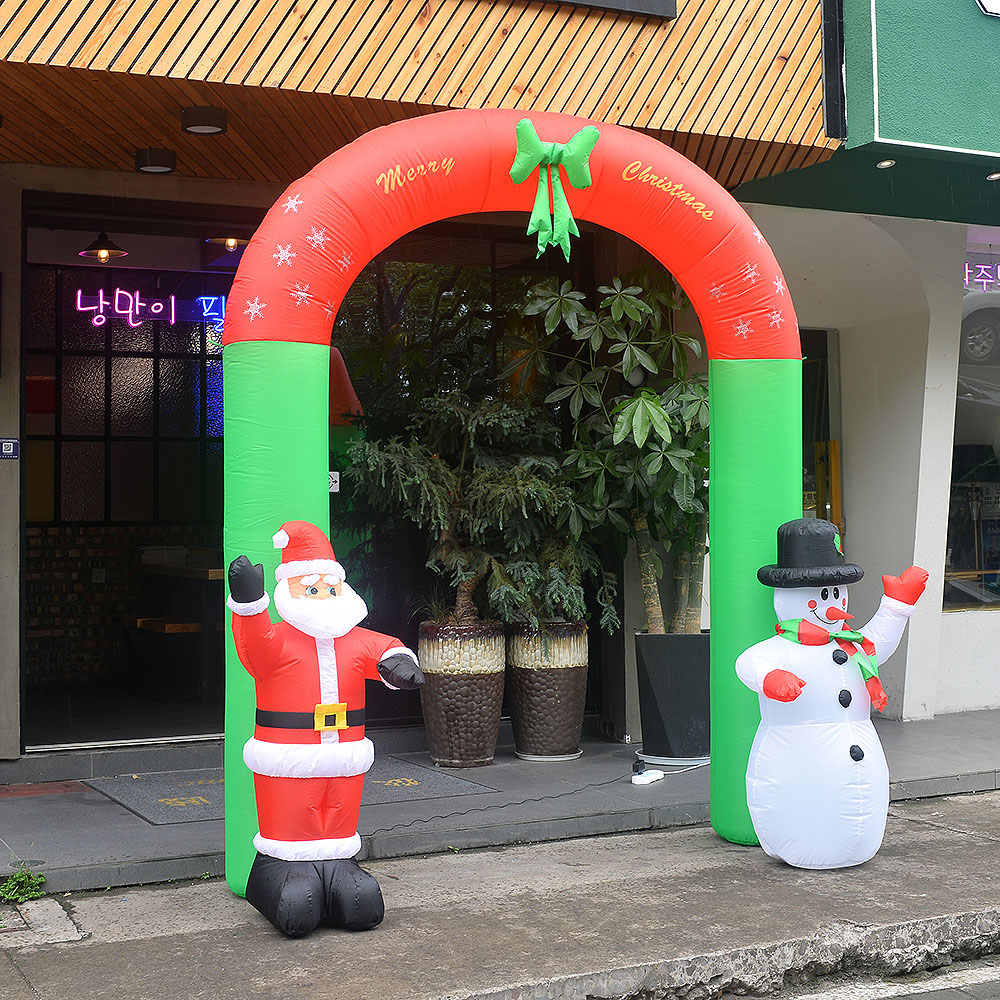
<point x="463" y="668"/>
<point x="548" y="677"/>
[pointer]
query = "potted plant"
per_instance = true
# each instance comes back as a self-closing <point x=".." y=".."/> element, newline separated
<point x="547" y="647"/>
<point x="637" y="461"/>
<point x="480" y="480"/>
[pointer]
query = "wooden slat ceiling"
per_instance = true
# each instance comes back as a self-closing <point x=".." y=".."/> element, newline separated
<point x="734" y="85"/>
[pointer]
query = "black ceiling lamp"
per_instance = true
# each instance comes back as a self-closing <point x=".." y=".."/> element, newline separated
<point x="103" y="249"/>
<point x="203" y="120"/>
<point x="231" y="243"/>
<point x="155" y="161"/>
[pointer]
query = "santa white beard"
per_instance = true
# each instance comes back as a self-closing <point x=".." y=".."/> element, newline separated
<point x="328" y="618"/>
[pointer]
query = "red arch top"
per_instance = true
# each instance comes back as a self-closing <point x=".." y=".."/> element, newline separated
<point x="327" y="226"/>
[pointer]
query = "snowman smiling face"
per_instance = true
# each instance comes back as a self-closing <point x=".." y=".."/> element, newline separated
<point x="825" y="605"/>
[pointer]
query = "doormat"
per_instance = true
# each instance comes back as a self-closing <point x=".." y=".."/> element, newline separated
<point x="393" y="779"/>
<point x="167" y="796"/>
<point x="189" y="796"/>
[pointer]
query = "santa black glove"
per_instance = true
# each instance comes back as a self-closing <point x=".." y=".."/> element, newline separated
<point x="401" y="671"/>
<point x="246" y="581"/>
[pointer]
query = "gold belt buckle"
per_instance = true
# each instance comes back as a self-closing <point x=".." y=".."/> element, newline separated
<point x="339" y="712"/>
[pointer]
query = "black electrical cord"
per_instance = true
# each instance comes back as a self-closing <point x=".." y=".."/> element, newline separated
<point x="521" y="802"/>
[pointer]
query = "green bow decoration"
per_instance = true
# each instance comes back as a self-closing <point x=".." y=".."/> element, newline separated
<point x="574" y="156"/>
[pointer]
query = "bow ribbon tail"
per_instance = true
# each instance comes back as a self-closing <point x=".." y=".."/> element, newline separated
<point x="563" y="222"/>
<point x="541" y="221"/>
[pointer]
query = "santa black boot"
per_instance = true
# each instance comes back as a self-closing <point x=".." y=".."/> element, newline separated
<point x="353" y="897"/>
<point x="289" y="893"/>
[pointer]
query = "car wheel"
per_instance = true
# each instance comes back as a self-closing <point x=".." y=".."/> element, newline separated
<point x="981" y="337"/>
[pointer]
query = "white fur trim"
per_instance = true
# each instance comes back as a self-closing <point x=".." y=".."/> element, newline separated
<point x="280" y="539"/>
<point x="308" y="760"/>
<point x="308" y="850"/>
<point x="253" y="608"/>
<point x="304" y="567"/>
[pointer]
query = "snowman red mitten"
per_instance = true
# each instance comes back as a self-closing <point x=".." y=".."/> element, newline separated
<point x="782" y="685"/>
<point x="906" y="587"/>
<point x="877" y="693"/>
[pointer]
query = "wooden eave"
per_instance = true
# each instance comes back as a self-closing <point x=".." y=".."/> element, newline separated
<point x="735" y="86"/>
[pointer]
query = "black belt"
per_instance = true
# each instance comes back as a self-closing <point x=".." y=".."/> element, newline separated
<point x="325" y="717"/>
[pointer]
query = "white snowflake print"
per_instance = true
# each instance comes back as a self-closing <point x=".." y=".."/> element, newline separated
<point x="743" y="328"/>
<point x="292" y="204"/>
<point x="715" y="291"/>
<point x="346" y="261"/>
<point x="301" y="293"/>
<point x="329" y="309"/>
<point x="776" y="318"/>
<point x="318" y="239"/>
<point x="750" y="273"/>
<point x="255" y="308"/>
<point x="779" y="285"/>
<point x="758" y="234"/>
<point x="284" y="254"/>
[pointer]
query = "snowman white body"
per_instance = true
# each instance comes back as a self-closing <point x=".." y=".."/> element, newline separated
<point x="817" y="779"/>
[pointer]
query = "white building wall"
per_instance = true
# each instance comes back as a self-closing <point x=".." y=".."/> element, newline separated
<point x="892" y="289"/>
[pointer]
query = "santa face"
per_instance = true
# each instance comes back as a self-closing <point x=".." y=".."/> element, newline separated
<point x="825" y="606"/>
<point x="324" y="607"/>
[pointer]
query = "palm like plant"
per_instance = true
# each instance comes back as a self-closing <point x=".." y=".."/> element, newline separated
<point x="481" y="481"/>
<point x="638" y="456"/>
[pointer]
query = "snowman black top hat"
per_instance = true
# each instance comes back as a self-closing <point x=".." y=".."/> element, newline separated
<point x="809" y="555"/>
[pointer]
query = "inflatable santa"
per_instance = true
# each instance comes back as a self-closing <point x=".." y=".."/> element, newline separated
<point x="817" y="779"/>
<point x="309" y="752"/>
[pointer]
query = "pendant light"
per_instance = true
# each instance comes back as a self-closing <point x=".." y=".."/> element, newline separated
<point x="103" y="249"/>
<point x="231" y="243"/>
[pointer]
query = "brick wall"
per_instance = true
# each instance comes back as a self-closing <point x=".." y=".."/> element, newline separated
<point x="76" y="626"/>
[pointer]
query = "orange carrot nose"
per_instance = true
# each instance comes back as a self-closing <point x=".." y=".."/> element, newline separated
<point x="832" y="614"/>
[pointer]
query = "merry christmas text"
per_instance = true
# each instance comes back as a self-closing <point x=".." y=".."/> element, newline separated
<point x="396" y="176"/>
<point x="635" y="171"/>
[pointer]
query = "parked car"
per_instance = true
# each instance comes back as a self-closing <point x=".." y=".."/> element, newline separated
<point x="981" y="327"/>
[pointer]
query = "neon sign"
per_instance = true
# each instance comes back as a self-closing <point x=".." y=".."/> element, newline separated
<point x="983" y="275"/>
<point x="130" y="306"/>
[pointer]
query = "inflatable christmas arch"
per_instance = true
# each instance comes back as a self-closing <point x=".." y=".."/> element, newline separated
<point x="327" y="226"/>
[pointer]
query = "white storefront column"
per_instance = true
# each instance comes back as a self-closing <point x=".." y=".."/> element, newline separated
<point x="892" y="289"/>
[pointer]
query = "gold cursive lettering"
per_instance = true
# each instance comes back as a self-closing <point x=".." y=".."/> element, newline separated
<point x="637" y="171"/>
<point x="396" y="176"/>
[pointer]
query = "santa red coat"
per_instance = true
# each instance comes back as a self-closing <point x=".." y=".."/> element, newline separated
<point x="308" y="781"/>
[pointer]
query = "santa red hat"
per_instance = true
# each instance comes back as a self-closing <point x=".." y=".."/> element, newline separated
<point x="305" y="550"/>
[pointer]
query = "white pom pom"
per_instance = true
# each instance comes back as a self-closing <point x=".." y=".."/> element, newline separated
<point x="280" y="539"/>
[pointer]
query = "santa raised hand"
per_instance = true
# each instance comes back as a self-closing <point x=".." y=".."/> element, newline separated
<point x="309" y="753"/>
<point x="817" y="779"/>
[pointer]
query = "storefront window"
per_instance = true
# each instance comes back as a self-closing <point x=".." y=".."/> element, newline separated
<point x="972" y="569"/>
<point x="124" y="395"/>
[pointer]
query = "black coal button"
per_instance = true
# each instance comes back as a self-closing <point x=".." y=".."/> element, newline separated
<point x="857" y="753"/>
<point x="839" y="656"/>
<point x="845" y="697"/>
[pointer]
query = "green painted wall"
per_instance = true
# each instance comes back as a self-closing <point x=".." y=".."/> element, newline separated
<point x="938" y="73"/>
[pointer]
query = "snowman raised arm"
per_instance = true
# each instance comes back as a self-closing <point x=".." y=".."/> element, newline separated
<point x="817" y="779"/>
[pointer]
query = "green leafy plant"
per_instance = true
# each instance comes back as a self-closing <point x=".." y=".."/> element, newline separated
<point x="22" y="884"/>
<point x="638" y="424"/>
<point x="480" y="480"/>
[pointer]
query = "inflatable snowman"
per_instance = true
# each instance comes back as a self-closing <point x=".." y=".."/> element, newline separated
<point x="817" y="779"/>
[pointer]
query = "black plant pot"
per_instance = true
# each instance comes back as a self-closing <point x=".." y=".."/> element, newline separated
<point x="673" y="696"/>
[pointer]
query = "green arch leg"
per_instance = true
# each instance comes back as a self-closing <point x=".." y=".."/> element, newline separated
<point x="276" y="457"/>
<point x="755" y="485"/>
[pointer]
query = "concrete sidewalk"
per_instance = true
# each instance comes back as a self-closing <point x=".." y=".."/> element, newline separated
<point x="659" y="914"/>
<point x="83" y="839"/>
